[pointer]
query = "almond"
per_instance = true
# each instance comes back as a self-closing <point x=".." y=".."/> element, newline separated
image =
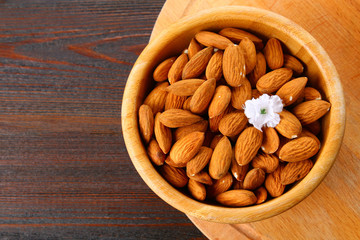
<point x="200" y="126"/>
<point x="294" y="64"/>
<point x="295" y="171"/>
<point x="174" y="101"/>
<point x="155" y="153"/>
<point x="186" y="105"/>
<point x="174" y="118"/>
<point x="211" y="39"/>
<point x="271" y="140"/>
<point x="273" y="182"/>
<point x="254" y="179"/>
<point x="187" y="147"/>
<point x="201" y="159"/>
<point x="214" y="67"/>
<point x="261" y="195"/>
<point x="202" y="96"/>
<point x="175" y="176"/>
<point x="307" y="133"/>
<point x="194" y="48"/>
<point x="237" y="198"/>
<point x="274" y="54"/>
<point x="197" y="190"/>
<point x="273" y="81"/>
<point x="215" y="121"/>
<point x="237" y="185"/>
<point x="219" y="186"/>
<point x="197" y="64"/>
<point x="247" y="145"/>
<point x="236" y="35"/>
<point x="249" y="51"/>
<point x="221" y="159"/>
<point x="161" y="71"/>
<point x="157" y="97"/>
<point x="255" y="93"/>
<point x="171" y="162"/>
<point x="292" y="90"/>
<point x="202" y="177"/>
<point x="175" y="72"/>
<point x="234" y="69"/>
<point x="259" y="69"/>
<point x="310" y="111"/>
<point x="233" y="123"/>
<point x="311" y="94"/>
<point x="314" y="127"/>
<point x="289" y="126"/>
<point x="299" y="149"/>
<point x="239" y="172"/>
<point x="220" y="101"/>
<point x="215" y="141"/>
<point x="185" y="87"/>
<point x="239" y="95"/>
<point x="146" y="122"/>
<point x="266" y="162"/>
<point x="163" y="134"/>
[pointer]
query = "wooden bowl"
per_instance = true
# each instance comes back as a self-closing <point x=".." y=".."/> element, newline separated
<point x="319" y="69"/>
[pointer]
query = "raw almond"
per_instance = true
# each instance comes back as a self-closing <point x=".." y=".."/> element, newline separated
<point x="187" y="147"/>
<point x="237" y="198"/>
<point x="234" y="69"/>
<point x="194" y="48"/>
<point x="255" y="93"/>
<point x="273" y="81"/>
<point x="186" y="105"/>
<point x="200" y="126"/>
<point x="219" y="186"/>
<point x="161" y="71"/>
<point x="146" y="122"/>
<point x="239" y="95"/>
<point x="197" y="64"/>
<point x="185" y="87"/>
<point x="211" y="39"/>
<point x="261" y="195"/>
<point x="259" y="69"/>
<point x="215" y="121"/>
<point x="294" y="64"/>
<point x="163" y="134"/>
<point x="157" y="97"/>
<point x="174" y="118"/>
<point x="155" y="153"/>
<point x="247" y="145"/>
<point x="237" y="185"/>
<point x="295" y="171"/>
<point x="174" y="101"/>
<point x="202" y="96"/>
<point x="254" y="179"/>
<point x="273" y="182"/>
<point x="298" y="149"/>
<point x="289" y="126"/>
<point x="220" y="101"/>
<point x="292" y="90"/>
<point x="266" y="162"/>
<point x="197" y="190"/>
<point x="233" y="123"/>
<point x="314" y="127"/>
<point x="215" y="141"/>
<point x="310" y="111"/>
<point x="201" y="159"/>
<point x="221" y="159"/>
<point x="274" y="54"/>
<point x="214" y="67"/>
<point x="271" y="140"/>
<point x="249" y="51"/>
<point x="175" y="176"/>
<point x="171" y="162"/>
<point x="236" y="35"/>
<point x="307" y="133"/>
<point x="311" y="94"/>
<point x="239" y="172"/>
<point x="175" y="72"/>
<point x="202" y="177"/>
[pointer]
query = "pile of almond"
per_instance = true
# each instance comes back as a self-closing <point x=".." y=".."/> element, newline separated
<point x="196" y="132"/>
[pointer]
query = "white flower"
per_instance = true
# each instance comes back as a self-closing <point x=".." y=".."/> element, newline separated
<point x="263" y="111"/>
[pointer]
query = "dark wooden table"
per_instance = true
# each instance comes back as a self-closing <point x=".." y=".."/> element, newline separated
<point x="65" y="172"/>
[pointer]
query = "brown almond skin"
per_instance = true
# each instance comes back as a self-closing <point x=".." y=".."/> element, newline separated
<point x="175" y="72"/>
<point x="294" y="64"/>
<point x="219" y="186"/>
<point x="202" y="96"/>
<point x="273" y="81"/>
<point x="174" y="101"/>
<point x="197" y="64"/>
<point x="155" y="153"/>
<point x="254" y="179"/>
<point x="239" y="172"/>
<point x="146" y="122"/>
<point x="259" y="69"/>
<point x="234" y="69"/>
<point x="292" y="90"/>
<point x="197" y="163"/>
<point x="236" y="35"/>
<point x="202" y="177"/>
<point x="215" y="141"/>
<point x="161" y="71"/>
<point x="221" y="159"/>
<point x="170" y="162"/>
<point x="197" y="190"/>
<point x="314" y="127"/>
<point x="186" y="105"/>
<point x="175" y="176"/>
<point x="298" y="149"/>
<point x="211" y="39"/>
<point x="255" y="93"/>
<point x="307" y="133"/>
<point x="185" y="87"/>
<point x="215" y="121"/>
<point x="273" y="182"/>
<point x="247" y="145"/>
<point x="237" y="198"/>
<point x="214" y="67"/>
<point x="163" y="134"/>
<point x="194" y="48"/>
<point x="274" y="54"/>
<point x="310" y="111"/>
<point x="289" y="126"/>
<point x="220" y="101"/>
<point x="311" y="94"/>
<point x="175" y="118"/>
<point x="233" y="123"/>
<point x="157" y="97"/>
<point x="271" y="140"/>
<point x="266" y="162"/>
<point x="187" y="147"/>
<point x="295" y="171"/>
<point x="200" y="126"/>
<point x="239" y="95"/>
<point x="261" y="195"/>
<point x="249" y="50"/>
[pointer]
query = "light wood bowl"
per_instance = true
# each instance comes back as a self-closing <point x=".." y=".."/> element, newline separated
<point x="319" y="69"/>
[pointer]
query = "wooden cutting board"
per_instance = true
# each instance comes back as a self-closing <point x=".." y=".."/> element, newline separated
<point x="332" y="211"/>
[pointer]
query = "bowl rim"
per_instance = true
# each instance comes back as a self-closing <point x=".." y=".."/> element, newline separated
<point x="221" y="214"/>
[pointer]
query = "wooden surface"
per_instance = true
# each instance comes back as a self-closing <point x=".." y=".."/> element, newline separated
<point x="64" y="169"/>
<point x="333" y="210"/>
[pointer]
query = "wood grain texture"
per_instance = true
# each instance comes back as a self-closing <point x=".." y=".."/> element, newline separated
<point x="332" y="211"/>
<point x="65" y="172"/>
